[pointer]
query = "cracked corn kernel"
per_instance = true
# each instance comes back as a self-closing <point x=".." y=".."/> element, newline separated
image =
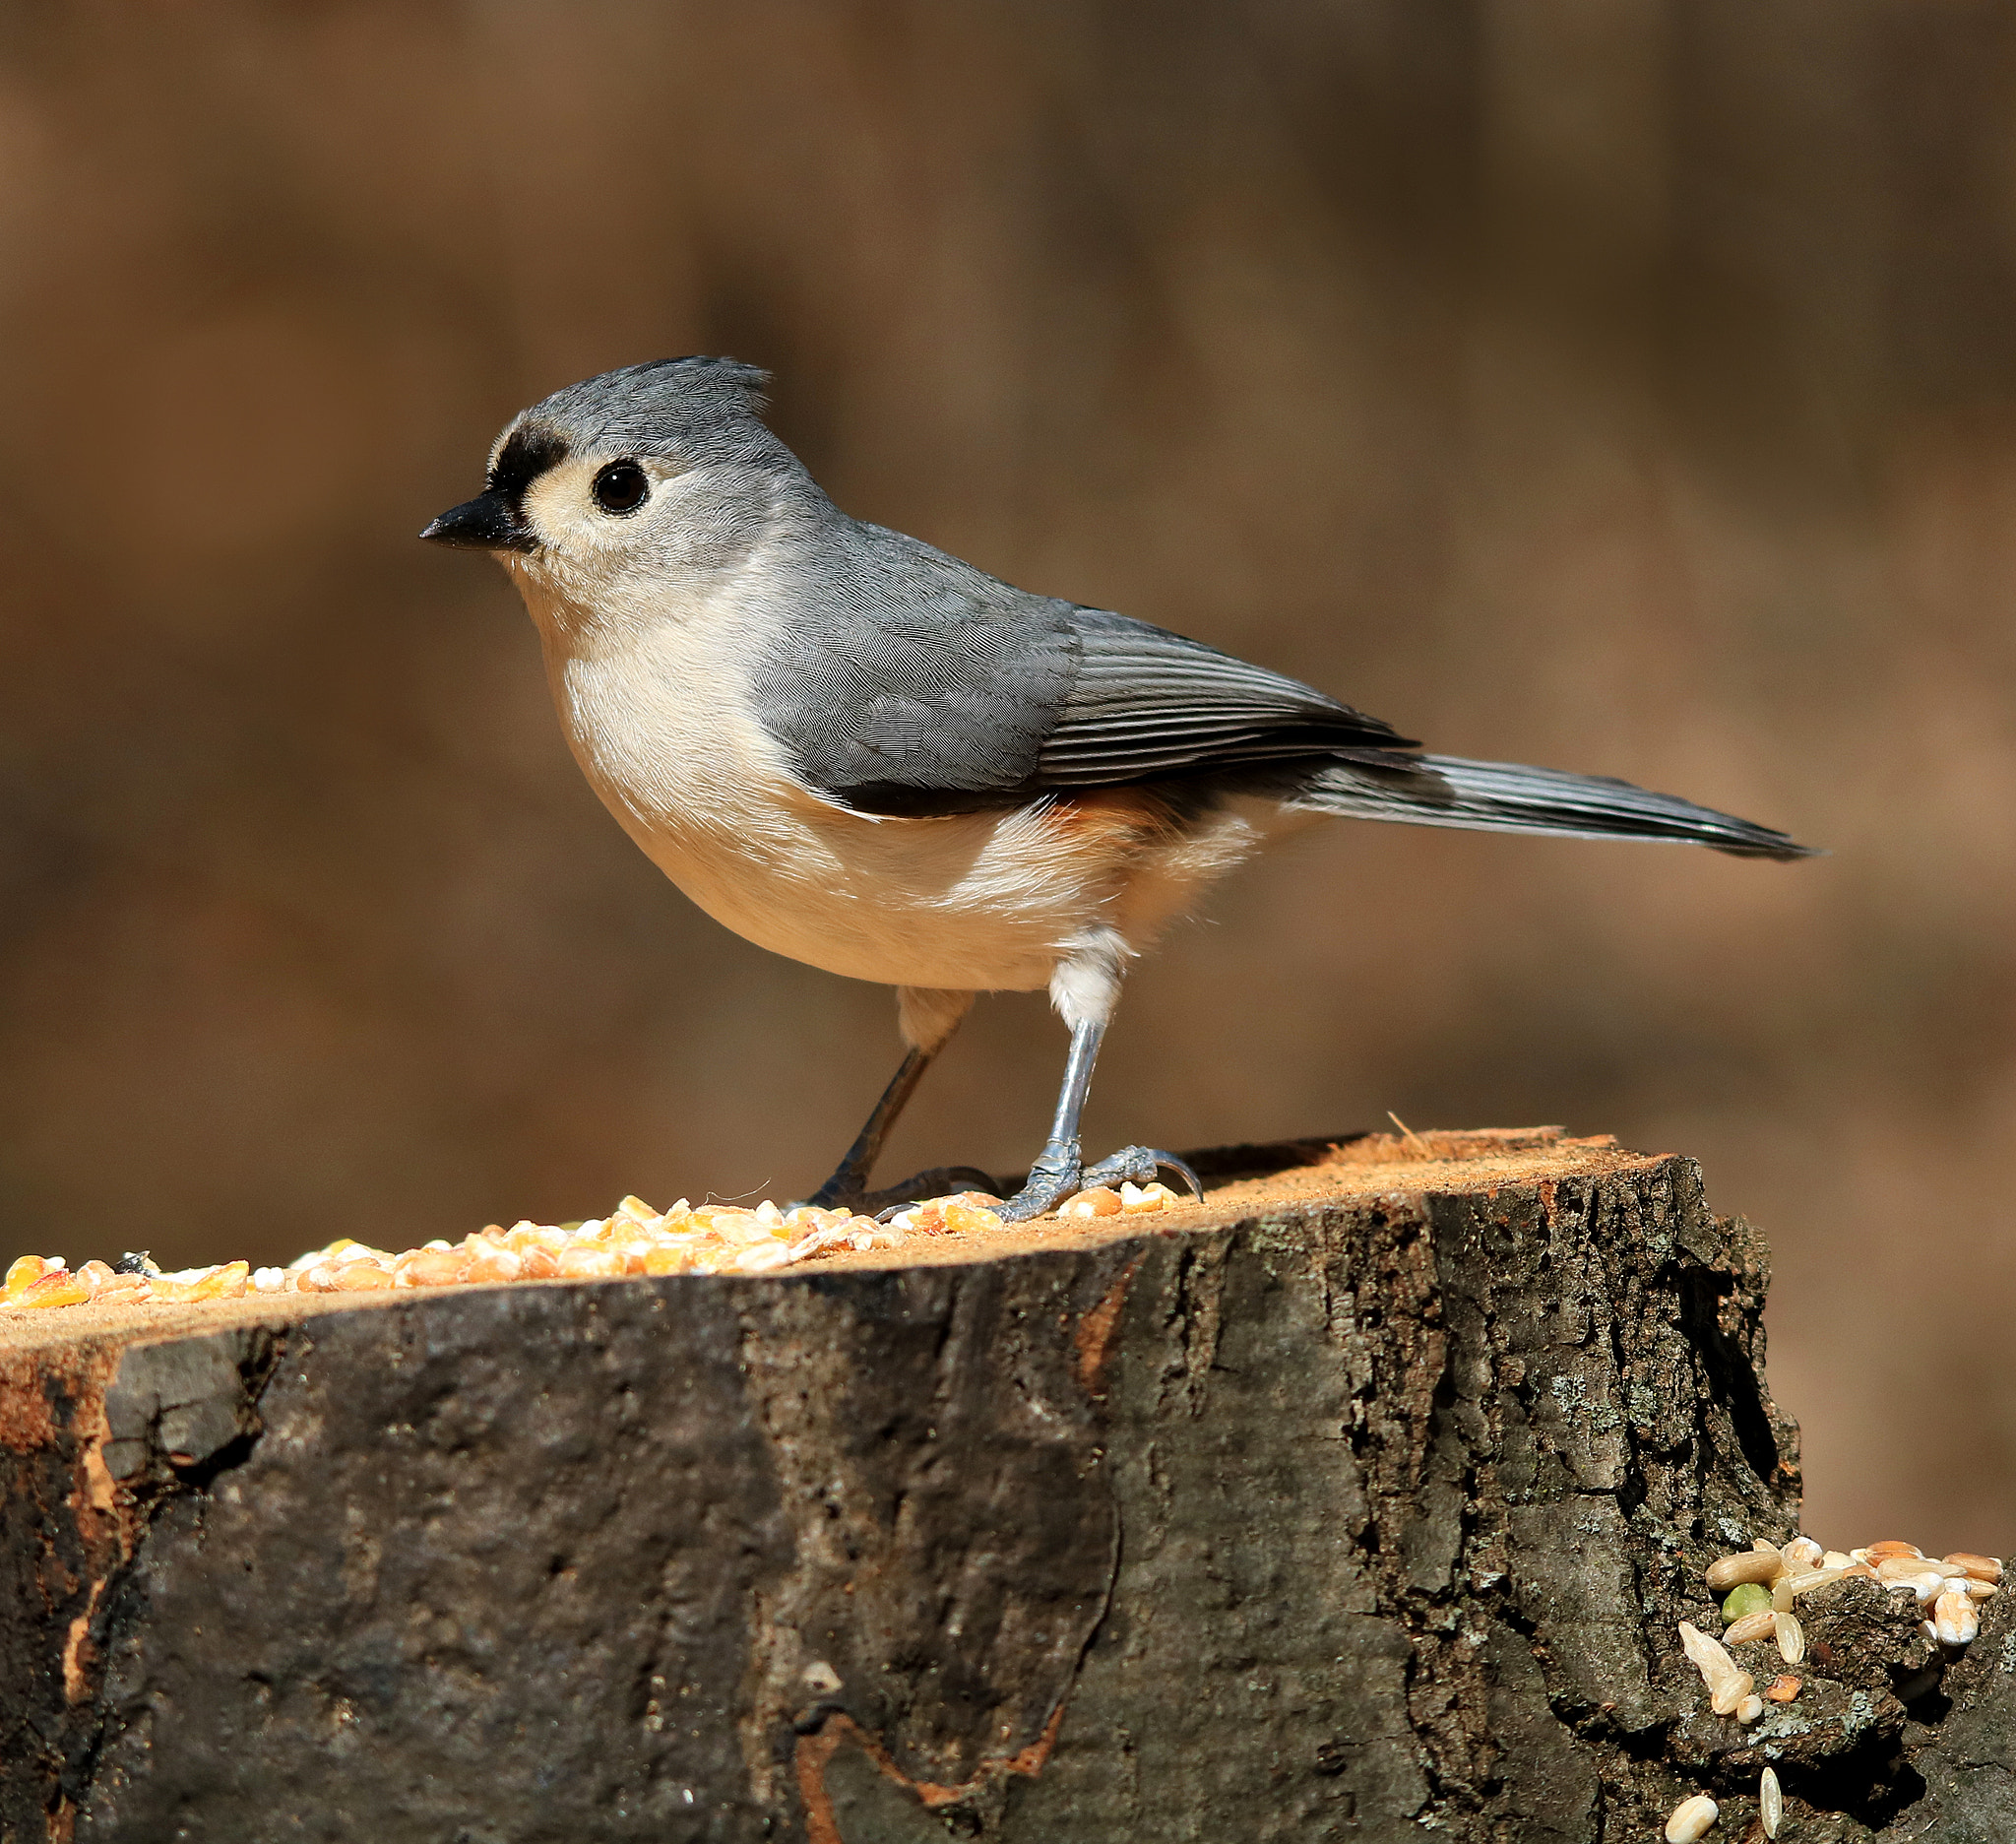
<point x="816" y="1241"/>
<point x="1804" y="1553"/>
<point x="740" y="1226"/>
<point x="965" y="1218"/>
<point x="227" y="1281"/>
<point x="433" y="1267"/>
<point x="167" y="1292"/>
<point x="1690" y="1819"/>
<point x="631" y="1239"/>
<point x="1782" y="1689"/>
<point x="1098" y="1201"/>
<point x="1890" y="1546"/>
<point x="494" y="1265"/>
<point x="58" y="1287"/>
<point x="1731" y="1571"/>
<point x="26" y="1270"/>
<point x="1751" y="1709"/>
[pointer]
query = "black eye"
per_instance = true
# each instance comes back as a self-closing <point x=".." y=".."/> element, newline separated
<point x="620" y="486"/>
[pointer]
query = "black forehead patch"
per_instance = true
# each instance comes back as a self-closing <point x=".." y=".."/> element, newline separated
<point x="526" y="454"/>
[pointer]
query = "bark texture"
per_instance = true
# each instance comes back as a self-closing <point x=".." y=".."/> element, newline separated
<point x="1363" y="1504"/>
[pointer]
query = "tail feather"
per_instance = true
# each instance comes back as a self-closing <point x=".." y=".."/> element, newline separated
<point x="1508" y="797"/>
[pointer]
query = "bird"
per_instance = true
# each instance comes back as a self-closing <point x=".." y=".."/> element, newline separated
<point x="857" y="750"/>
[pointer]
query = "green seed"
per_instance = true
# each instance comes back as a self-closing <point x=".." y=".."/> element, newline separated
<point x="1749" y="1597"/>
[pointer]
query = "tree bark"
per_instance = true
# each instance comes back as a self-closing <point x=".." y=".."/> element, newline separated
<point x="1365" y="1500"/>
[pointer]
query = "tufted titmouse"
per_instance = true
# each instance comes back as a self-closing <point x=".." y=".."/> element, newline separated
<point x="860" y="752"/>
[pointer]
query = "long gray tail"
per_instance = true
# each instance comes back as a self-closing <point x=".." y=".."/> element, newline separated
<point x="1507" y="797"/>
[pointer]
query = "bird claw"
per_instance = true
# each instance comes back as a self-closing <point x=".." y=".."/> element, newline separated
<point x="1055" y="1176"/>
<point x="1139" y="1165"/>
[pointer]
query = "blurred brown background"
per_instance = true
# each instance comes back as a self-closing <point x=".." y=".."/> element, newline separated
<point x="1623" y="387"/>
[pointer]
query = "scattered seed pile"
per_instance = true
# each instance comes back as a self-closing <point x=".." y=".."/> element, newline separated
<point x="1761" y="1587"/>
<point x="633" y="1238"/>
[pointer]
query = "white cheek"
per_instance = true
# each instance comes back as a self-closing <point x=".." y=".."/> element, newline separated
<point x="560" y="508"/>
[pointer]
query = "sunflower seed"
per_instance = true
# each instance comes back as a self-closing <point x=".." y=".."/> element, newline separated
<point x="1758" y="1626"/>
<point x="1729" y="1571"/>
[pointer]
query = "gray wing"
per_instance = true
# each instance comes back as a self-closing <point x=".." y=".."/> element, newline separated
<point x="914" y="684"/>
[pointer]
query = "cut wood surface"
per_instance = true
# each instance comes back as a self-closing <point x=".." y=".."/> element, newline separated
<point x="1364" y="1498"/>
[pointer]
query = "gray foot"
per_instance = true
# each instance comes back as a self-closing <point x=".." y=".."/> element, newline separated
<point x="1140" y="1163"/>
<point x="1058" y="1175"/>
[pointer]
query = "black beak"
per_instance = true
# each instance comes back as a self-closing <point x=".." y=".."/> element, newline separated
<point x="488" y="522"/>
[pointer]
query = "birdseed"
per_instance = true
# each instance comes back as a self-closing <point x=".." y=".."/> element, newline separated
<point x="1791" y="1637"/>
<point x="1986" y="1568"/>
<point x="1954" y="1618"/>
<point x="1756" y="1626"/>
<point x="1691" y="1820"/>
<point x="1761" y="1584"/>
<point x="1745" y="1599"/>
<point x="1752" y="1565"/>
<point x="633" y="1238"/>
<point x="1770" y="1801"/>
<point x="1804" y="1553"/>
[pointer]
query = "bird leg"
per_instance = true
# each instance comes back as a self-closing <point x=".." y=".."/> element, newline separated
<point x="849" y="1185"/>
<point x="1059" y="1170"/>
<point x="927" y="1018"/>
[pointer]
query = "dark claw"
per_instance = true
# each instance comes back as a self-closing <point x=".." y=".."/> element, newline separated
<point x="1140" y="1163"/>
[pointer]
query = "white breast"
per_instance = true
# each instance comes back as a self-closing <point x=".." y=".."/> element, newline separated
<point x="661" y="728"/>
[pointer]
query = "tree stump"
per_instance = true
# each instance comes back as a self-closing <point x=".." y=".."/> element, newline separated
<point x="1363" y="1500"/>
